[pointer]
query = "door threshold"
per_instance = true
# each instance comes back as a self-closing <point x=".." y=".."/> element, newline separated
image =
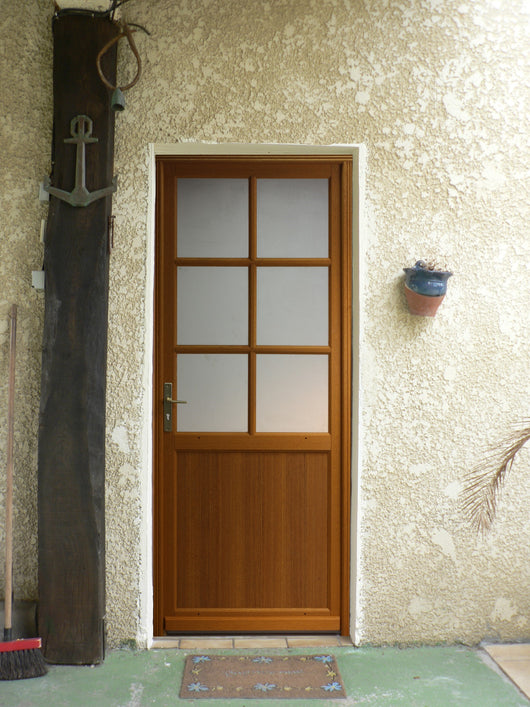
<point x="246" y="641"/>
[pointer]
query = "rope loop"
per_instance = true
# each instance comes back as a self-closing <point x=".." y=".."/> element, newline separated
<point x="126" y="32"/>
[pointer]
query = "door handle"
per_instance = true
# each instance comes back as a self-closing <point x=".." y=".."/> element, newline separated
<point x="168" y="406"/>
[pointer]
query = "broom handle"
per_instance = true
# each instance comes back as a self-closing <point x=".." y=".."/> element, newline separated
<point x="8" y="603"/>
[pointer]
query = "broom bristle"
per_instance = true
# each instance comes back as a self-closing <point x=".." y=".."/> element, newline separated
<point x="21" y="659"/>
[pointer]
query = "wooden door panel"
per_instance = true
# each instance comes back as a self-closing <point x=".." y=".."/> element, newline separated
<point x="260" y="523"/>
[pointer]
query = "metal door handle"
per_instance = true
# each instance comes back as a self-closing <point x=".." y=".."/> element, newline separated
<point x="168" y="406"/>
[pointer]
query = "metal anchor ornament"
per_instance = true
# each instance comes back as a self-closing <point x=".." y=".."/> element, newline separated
<point x="81" y="132"/>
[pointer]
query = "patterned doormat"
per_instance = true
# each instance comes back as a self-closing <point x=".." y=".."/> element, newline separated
<point x="253" y="677"/>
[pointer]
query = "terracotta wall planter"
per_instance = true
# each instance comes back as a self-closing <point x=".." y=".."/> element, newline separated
<point x="425" y="289"/>
<point x="422" y="305"/>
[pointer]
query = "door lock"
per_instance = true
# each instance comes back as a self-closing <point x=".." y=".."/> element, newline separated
<point x="168" y="406"/>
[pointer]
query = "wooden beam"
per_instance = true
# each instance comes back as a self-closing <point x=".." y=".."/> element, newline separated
<point x="71" y="464"/>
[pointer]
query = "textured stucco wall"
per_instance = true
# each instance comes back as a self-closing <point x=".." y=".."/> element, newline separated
<point x="25" y="137"/>
<point x="438" y="92"/>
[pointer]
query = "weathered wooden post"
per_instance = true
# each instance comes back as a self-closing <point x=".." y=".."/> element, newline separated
<point x="71" y="466"/>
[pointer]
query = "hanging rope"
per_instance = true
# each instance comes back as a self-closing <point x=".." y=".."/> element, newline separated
<point x="126" y="32"/>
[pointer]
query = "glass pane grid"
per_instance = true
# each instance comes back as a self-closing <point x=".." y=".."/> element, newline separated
<point x="291" y="391"/>
<point x="256" y="358"/>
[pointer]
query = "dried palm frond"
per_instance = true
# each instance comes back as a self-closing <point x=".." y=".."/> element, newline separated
<point x="481" y="488"/>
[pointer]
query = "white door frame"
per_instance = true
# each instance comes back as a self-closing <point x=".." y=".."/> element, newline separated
<point x="358" y="153"/>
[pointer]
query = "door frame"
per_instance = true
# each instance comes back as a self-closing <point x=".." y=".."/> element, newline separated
<point x="350" y="530"/>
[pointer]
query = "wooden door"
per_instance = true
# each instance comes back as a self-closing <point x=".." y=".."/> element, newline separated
<point x="252" y="330"/>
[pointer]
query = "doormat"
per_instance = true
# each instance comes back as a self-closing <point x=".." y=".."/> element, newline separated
<point x="253" y="677"/>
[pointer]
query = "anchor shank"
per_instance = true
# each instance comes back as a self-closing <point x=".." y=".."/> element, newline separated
<point x="80" y="167"/>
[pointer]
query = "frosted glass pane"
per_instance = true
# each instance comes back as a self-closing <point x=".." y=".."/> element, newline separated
<point x="293" y="218"/>
<point x="215" y="388"/>
<point x="212" y="305"/>
<point x="291" y="393"/>
<point x="212" y="218"/>
<point x="292" y="306"/>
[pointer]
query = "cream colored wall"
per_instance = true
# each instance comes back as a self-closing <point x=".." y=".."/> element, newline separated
<point x="25" y="136"/>
<point x="438" y="92"/>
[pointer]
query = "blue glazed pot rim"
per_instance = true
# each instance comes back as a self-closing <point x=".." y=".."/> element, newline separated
<point x="424" y="294"/>
<point x="426" y="282"/>
<point x="445" y="273"/>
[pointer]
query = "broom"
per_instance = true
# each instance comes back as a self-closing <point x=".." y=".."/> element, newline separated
<point x="21" y="658"/>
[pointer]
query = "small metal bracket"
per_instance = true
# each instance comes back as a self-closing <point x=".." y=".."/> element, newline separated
<point x="110" y="234"/>
<point x="38" y="279"/>
<point x="81" y="132"/>
<point x="43" y="194"/>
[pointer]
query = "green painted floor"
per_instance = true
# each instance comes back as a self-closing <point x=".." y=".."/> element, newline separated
<point x="384" y="677"/>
